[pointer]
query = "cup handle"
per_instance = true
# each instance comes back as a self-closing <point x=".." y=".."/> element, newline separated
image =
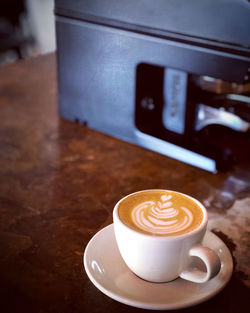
<point x="211" y="261"/>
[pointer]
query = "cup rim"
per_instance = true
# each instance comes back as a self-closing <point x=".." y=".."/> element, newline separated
<point x="202" y="225"/>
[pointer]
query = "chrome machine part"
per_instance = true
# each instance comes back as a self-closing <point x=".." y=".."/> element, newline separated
<point x="207" y="115"/>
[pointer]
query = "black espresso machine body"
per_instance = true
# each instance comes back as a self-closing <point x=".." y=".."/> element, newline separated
<point x="159" y="74"/>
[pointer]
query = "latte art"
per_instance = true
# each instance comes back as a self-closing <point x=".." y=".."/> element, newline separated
<point x="160" y="213"/>
<point x="161" y="217"/>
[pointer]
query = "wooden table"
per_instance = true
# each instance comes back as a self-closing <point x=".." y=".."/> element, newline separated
<point x="59" y="182"/>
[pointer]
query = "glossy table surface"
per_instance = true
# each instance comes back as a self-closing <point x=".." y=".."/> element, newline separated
<point x="59" y="182"/>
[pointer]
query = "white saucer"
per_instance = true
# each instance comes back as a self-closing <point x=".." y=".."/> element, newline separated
<point x="108" y="272"/>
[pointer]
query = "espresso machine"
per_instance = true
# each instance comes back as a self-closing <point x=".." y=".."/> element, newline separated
<point x="172" y="76"/>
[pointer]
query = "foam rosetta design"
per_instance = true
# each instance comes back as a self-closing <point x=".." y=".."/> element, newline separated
<point x="161" y="217"/>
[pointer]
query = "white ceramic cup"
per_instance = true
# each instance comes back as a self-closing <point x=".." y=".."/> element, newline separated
<point x="162" y="259"/>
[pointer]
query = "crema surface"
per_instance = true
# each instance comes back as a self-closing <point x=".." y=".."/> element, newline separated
<point x="160" y="213"/>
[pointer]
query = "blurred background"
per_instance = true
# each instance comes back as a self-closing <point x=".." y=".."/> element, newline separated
<point x="27" y="29"/>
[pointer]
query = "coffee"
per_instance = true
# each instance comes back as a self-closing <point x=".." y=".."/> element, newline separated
<point x="160" y="213"/>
